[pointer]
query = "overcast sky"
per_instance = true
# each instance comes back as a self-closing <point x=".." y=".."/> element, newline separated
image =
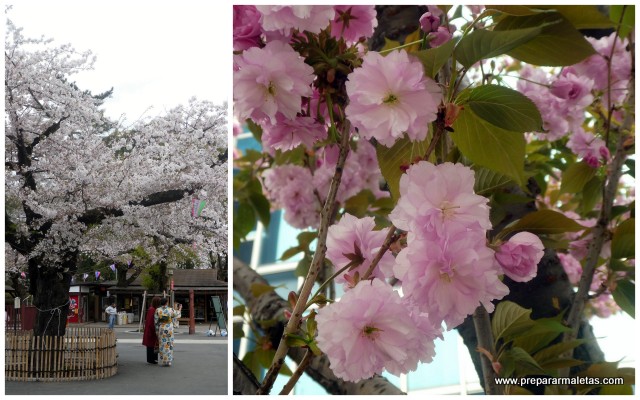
<point x="154" y="53"/>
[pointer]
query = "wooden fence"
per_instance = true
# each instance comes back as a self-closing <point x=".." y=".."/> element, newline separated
<point x="82" y="354"/>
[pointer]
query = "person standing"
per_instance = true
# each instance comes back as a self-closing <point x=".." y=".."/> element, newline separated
<point x="164" y="318"/>
<point x="150" y="337"/>
<point x="111" y="314"/>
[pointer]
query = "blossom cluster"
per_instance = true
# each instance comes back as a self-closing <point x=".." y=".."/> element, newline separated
<point x="447" y="270"/>
<point x="563" y="99"/>
<point x="301" y="193"/>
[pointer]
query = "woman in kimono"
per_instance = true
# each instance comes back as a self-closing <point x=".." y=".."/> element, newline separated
<point x="164" y="318"/>
<point x="150" y="337"/>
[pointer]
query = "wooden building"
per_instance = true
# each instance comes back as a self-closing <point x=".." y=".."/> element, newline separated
<point x="203" y="282"/>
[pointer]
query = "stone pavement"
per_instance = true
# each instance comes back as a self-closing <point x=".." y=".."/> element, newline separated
<point x="200" y="367"/>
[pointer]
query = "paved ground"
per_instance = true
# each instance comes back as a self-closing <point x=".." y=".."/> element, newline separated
<point x="200" y="368"/>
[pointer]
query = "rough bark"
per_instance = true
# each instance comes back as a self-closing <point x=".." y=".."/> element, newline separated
<point x="50" y="290"/>
<point x="270" y="306"/>
<point x="244" y="382"/>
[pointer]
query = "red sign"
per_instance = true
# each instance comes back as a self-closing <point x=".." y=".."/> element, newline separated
<point x="74" y="306"/>
<point x="171" y="284"/>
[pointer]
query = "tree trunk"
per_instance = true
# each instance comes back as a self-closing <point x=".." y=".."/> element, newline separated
<point x="50" y="290"/>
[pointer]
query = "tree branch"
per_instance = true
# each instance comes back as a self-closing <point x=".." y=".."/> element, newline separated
<point x="599" y="231"/>
<point x="316" y="264"/>
<point x="244" y="382"/>
<point x="270" y="307"/>
<point x="97" y="215"/>
<point x="482" y="325"/>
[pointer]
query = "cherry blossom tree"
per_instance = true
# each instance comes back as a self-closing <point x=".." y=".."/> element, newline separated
<point x="477" y="158"/>
<point x="78" y="184"/>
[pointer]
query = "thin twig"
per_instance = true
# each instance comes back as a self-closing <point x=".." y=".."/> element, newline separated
<point x="317" y="263"/>
<point x="383" y="249"/>
<point x="306" y="360"/>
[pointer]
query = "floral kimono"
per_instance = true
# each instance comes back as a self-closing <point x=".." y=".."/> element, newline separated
<point x="164" y="319"/>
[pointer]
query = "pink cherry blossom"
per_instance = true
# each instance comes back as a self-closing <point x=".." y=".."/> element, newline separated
<point x="390" y="96"/>
<point x="519" y="257"/>
<point x="449" y="277"/>
<point x="288" y="134"/>
<point x="361" y="171"/>
<point x="269" y="81"/>
<point x="246" y="27"/>
<point x="604" y="305"/>
<point x="571" y="266"/>
<point x="441" y="36"/>
<point x="432" y="196"/>
<point x="371" y="329"/>
<point x="559" y="117"/>
<point x="591" y="149"/>
<point x="354" y="22"/>
<point x="288" y="187"/>
<point x="429" y="23"/>
<point x="303" y="18"/>
<point x="575" y="90"/>
<point x="352" y="238"/>
<point x="595" y="67"/>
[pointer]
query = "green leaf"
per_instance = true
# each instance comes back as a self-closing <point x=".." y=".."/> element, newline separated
<point x="313" y="346"/>
<point x="591" y="194"/>
<point x="505" y="108"/>
<point x="558" y="44"/>
<point x="255" y="129"/>
<point x="509" y="319"/>
<point x="293" y="156"/>
<point x="312" y="325"/>
<point x="630" y="163"/>
<point x="616" y="390"/>
<point x="489" y="146"/>
<point x="392" y="160"/>
<point x="576" y="176"/>
<point x="487" y="180"/>
<point x="305" y="239"/>
<point x="244" y="219"/>
<point x="434" y="59"/>
<point x="250" y="156"/>
<point x="557" y="351"/>
<point x="262" y="207"/>
<point x="481" y="44"/>
<point x="560" y="363"/>
<point x="239" y="310"/>
<point x="532" y="343"/>
<point x="524" y="363"/>
<point x="581" y="17"/>
<point x="295" y="341"/>
<point x="290" y="252"/>
<point x="623" y="242"/>
<point x="388" y="46"/>
<point x="238" y="333"/>
<point x="625" y="296"/>
<point x="544" y="222"/>
<point x="543" y="331"/>
<point x="252" y="362"/>
<point x="358" y="205"/>
<point x="619" y="265"/>
<point x="302" y="269"/>
<point x="258" y="289"/>
<point x="628" y="20"/>
<point x="513" y="10"/>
